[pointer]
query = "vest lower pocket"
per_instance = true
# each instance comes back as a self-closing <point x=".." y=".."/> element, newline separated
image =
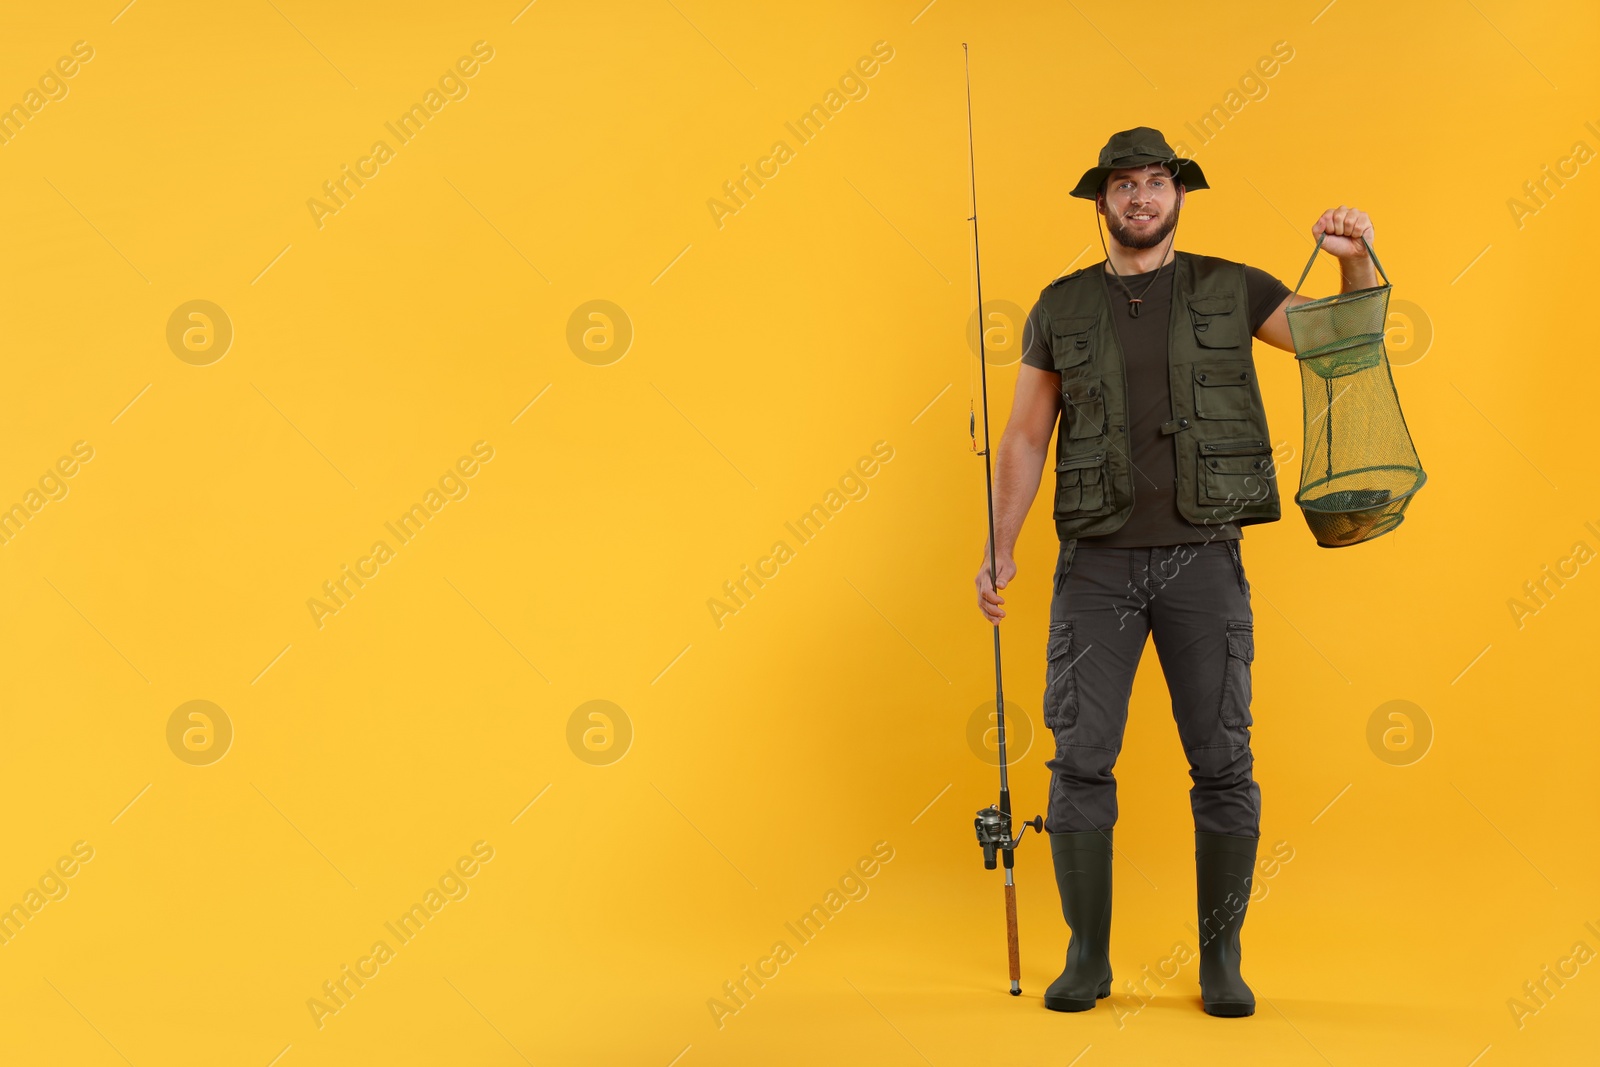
<point x="1085" y="405"/>
<point x="1222" y="390"/>
<point x="1235" y="473"/>
<point x="1080" y="484"/>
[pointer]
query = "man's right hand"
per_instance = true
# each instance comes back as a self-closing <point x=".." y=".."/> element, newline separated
<point x="989" y="599"/>
<point x="1018" y="466"/>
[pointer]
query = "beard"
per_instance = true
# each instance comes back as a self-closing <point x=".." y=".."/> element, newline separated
<point x="1130" y="238"/>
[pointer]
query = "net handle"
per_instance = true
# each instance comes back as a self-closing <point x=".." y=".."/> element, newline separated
<point x="1370" y="251"/>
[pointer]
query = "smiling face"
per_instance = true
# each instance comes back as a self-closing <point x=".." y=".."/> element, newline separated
<point x="1141" y="205"/>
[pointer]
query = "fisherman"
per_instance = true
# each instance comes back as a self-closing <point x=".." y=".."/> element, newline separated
<point x="1162" y="455"/>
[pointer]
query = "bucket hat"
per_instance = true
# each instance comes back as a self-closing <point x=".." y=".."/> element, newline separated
<point x="1135" y="148"/>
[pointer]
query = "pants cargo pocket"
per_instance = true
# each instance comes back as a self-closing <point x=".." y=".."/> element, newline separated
<point x="1235" y="709"/>
<point x="1060" y="685"/>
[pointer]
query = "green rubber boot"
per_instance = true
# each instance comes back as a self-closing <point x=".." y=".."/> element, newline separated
<point x="1083" y="876"/>
<point x="1223" y="866"/>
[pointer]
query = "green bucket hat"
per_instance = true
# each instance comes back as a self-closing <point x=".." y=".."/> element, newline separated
<point x="1135" y="148"/>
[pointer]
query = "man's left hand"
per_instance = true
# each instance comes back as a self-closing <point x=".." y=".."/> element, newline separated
<point x="1344" y="225"/>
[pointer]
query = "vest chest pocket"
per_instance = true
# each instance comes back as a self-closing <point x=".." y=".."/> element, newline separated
<point x="1235" y="473"/>
<point x="1216" y="324"/>
<point x="1080" y="484"/>
<point x="1084" y="402"/>
<point x="1072" y="340"/>
<point x="1222" y="389"/>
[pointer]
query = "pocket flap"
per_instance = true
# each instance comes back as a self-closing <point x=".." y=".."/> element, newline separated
<point x="1211" y="305"/>
<point x="1215" y="324"/>
<point x="1074" y="328"/>
<point x="1073" y="463"/>
<point x="1082" y="390"/>
<point x="1214" y="374"/>
<point x="1241" y="641"/>
<point x="1247" y="464"/>
<point x="1072" y="340"/>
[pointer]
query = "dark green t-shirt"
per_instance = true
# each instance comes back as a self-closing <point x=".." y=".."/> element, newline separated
<point x="1155" y="519"/>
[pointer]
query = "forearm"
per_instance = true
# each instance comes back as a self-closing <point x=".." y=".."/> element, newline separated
<point x="1019" y="466"/>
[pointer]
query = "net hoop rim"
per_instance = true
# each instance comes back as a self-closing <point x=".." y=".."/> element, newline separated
<point x="1422" y="479"/>
<point x="1339" y="298"/>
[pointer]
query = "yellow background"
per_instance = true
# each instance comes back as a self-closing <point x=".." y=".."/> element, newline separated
<point x="768" y="355"/>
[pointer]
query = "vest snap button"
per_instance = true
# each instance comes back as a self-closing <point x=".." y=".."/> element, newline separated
<point x="1202" y="377"/>
<point x="1183" y="422"/>
<point x="1243" y="376"/>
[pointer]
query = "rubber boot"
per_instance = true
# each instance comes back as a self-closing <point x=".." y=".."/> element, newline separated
<point x="1223" y="867"/>
<point x="1083" y="876"/>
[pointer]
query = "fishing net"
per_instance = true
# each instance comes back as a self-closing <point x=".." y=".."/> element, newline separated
<point x="1359" y="469"/>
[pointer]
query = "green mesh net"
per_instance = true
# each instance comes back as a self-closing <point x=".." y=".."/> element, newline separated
<point x="1359" y="469"/>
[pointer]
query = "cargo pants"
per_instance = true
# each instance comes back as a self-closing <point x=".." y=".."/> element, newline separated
<point x="1195" y="599"/>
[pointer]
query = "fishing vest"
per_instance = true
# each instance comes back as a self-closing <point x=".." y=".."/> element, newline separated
<point x="1218" y="424"/>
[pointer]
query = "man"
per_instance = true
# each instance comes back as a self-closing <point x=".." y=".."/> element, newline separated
<point x="1163" y="454"/>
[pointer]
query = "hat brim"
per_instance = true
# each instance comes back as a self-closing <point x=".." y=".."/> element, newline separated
<point x="1188" y="172"/>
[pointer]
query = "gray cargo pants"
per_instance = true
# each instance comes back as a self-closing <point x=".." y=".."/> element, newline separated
<point x="1196" y="601"/>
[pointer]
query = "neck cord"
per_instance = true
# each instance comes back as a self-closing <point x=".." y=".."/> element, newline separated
<point x="1133" y="301"/>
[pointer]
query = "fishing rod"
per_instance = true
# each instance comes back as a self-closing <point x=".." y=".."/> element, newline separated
<point x="993" y="824"/>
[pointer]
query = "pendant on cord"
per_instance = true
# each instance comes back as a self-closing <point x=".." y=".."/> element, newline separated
<point x="1133" y="306"/>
